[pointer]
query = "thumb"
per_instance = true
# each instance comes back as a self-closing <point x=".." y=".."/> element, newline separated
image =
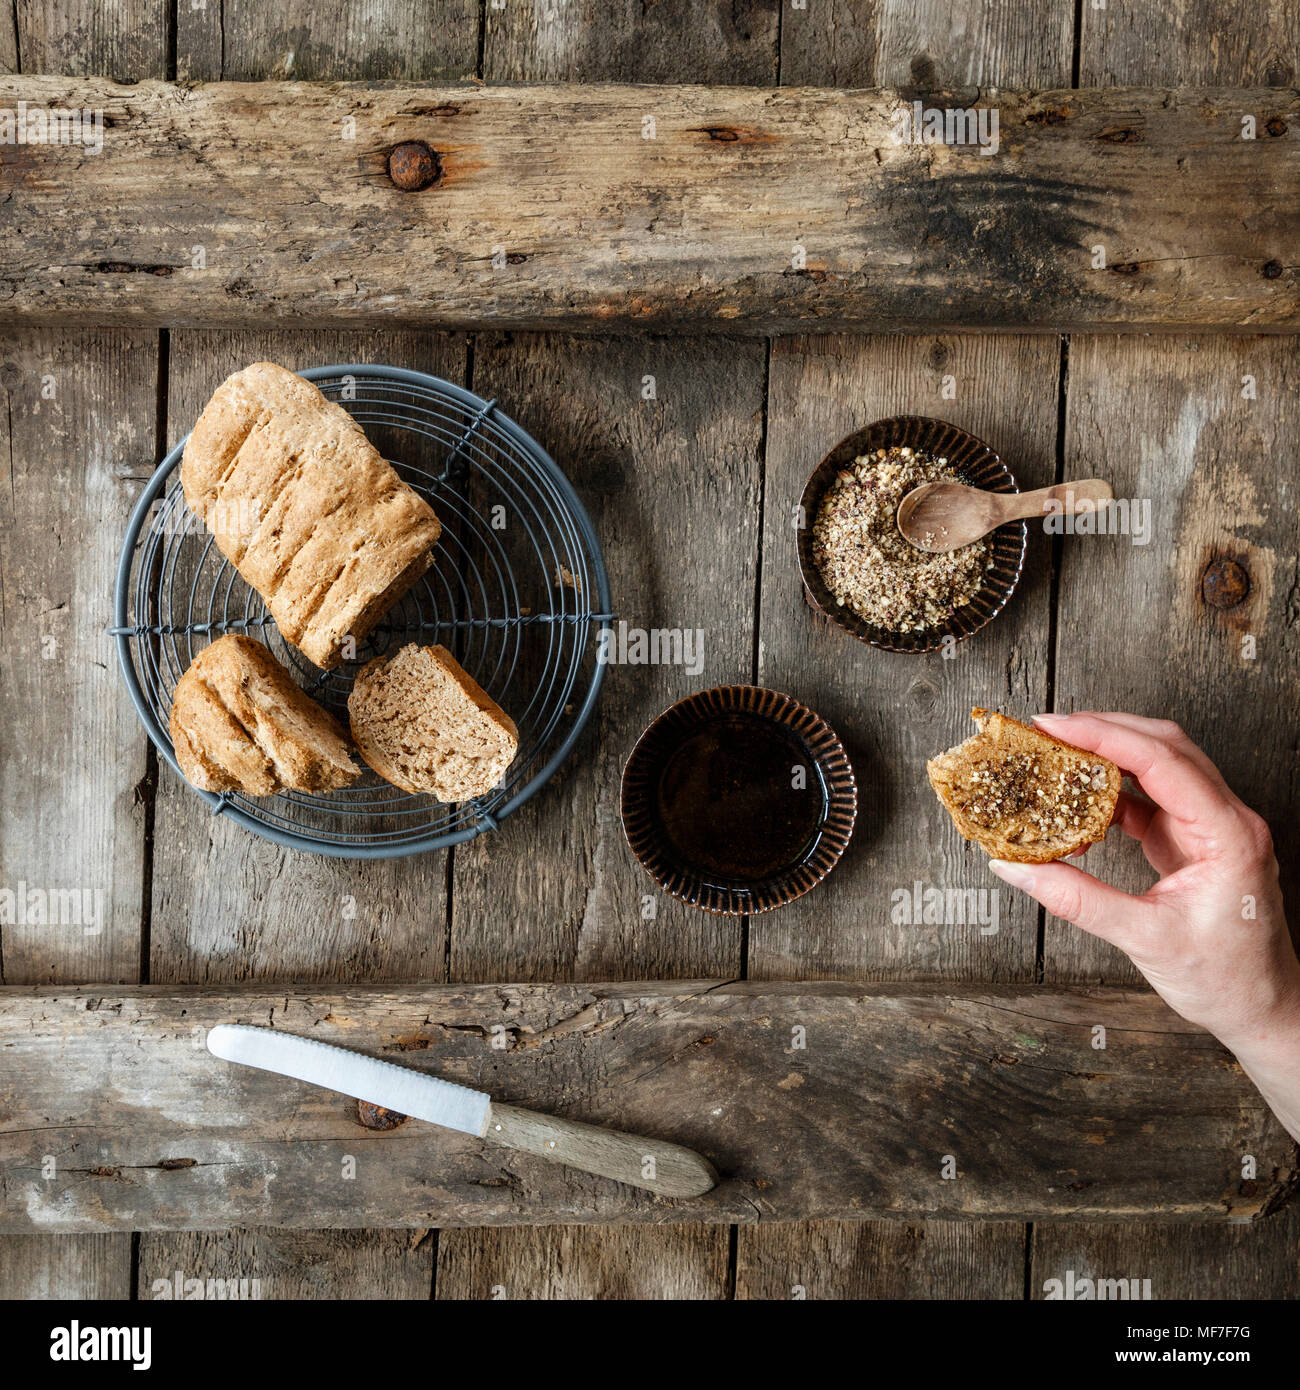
<point x="1074" y="896"/>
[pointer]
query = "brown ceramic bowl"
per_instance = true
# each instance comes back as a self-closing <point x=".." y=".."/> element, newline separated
<point x="976" y="465"/>
<point x="686" y="761"/>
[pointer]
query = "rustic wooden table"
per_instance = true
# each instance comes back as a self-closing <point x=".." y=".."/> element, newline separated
<point x="690" y="494"/>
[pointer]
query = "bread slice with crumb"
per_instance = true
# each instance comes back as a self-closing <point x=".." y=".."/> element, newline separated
<point x="1021" y="794"/>
<point x="239" y="723"/>
<point x="425" y="725"/>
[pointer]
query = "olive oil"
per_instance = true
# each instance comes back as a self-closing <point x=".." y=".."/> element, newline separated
<point x="740" y="800"/>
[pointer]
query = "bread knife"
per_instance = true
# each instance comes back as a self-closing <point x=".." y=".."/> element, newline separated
<point x="668" y="1169"/>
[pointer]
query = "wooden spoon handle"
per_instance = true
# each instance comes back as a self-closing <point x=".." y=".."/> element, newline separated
<point x="660" y="1167"/>
<point x="1070" y="498"/>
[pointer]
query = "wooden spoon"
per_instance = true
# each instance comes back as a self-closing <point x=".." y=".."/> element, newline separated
<point x="945" y="516"/>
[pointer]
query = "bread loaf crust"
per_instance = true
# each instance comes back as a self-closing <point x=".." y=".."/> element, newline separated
<point x="305" y="507"/>
<point x="239" y="723"/>
<point x="1013" y="839"/>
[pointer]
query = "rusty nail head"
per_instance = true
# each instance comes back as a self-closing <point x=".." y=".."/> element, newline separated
<point x="1276" y="126"/>
<point x="413" y="166"/>
<point x="1225" y="583"/>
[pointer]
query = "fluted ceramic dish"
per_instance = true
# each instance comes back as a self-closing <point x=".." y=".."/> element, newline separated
<point x="656" y="853"/>
<point x="975" y="464"/>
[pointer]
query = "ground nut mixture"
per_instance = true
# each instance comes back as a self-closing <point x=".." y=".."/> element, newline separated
<point x="864" y="560"/>
<point x="1052" y="800"/>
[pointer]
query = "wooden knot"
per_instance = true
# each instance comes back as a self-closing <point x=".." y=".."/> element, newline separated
<point x="1225" y="583"/>
<point x="1272" y="270"/>
<point x="414" y="166"/>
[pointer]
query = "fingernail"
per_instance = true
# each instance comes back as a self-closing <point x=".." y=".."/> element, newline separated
<point x="1017" y="875"/>
<point x="1050" y="718"/>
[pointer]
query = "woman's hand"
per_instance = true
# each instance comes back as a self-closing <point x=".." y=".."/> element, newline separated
<point x="1211" y="935"/>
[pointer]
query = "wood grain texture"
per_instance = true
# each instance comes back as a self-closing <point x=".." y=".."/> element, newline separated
<point x="278" y="1264"/>
<point x="556" y="893"/>
<point x="125" y="40"/>
<point x="243" y="40"/>
<point x="228" y="906"/>
<point x="929" y="44"/>
<point x="895" y="710"/>
<point x="45" y="1268"/>
<point x="78" y="429"/>
<point x="1167" y="421"/>
<point x="582" y="1262"/>
<point x="149" y="1131"/>
<point x="1193" y="43"/>
<point x="595" y="226"/>
<point x="627" y="40"/>
<point x="880" y="1259"/>
<point x="1223" y="1262"/>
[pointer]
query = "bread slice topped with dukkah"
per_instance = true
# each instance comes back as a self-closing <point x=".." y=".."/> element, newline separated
<point x="240" y="723"/>
<point x="1021" y="794"/>
<point x="423" y="723"/>
<point x="305" y="508"/>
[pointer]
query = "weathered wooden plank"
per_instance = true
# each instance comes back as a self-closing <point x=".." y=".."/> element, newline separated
<point x="1222" y="1262"/>
<point x="267" y="1264"/>
<point x="880" y="1259"/>
<point x="629" y="41"/>
<point x="9" y="42"/>
<point x="1191" y="43"/>
<point x="1001" y="42"/>
<point x="813" y="1101"/>
<point x="43" y="1268"/>
<point x="572" y="1262"/>
<point x="1202" y="430"/>
<point x="244" y="41"/>
<point x="894" y="711"/>
<point x="1186" y="41"/>
<point x="125" y="40"/>
<point x="78" y="427"/>
<point x="557" y="894"/>
<point x="631" y="458"/>
<point x="553" y="209"/>
<point x="228" y="906"/>
<point x="921" y="44"/>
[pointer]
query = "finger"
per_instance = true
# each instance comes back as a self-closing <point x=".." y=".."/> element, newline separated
<point x="1133" y="814"/>
<point x="1074" y="896"/>
<point x="1166" y="731"/>
<point x="1168" y="776"/>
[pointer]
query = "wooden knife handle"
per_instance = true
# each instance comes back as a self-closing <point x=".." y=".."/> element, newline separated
<point x="668" y="1169"/>
<point x="1081" y="496"/>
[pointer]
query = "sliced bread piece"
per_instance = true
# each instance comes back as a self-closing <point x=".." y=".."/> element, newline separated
<point x="1023" y="795"/>
<point x="425" y="725"/>
<point x="240" y="723"/>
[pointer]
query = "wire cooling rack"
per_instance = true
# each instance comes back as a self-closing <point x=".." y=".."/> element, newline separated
<point x="518" y="592"/>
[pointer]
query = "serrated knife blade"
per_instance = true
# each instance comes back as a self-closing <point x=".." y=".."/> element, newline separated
<point x="658" y="1166"/>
